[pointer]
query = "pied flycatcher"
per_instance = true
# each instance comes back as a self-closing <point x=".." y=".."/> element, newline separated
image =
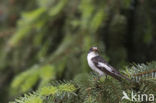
<point x="99" y="65"/>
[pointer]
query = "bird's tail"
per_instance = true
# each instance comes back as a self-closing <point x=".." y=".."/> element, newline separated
<point x="125" y="77"/>
<point x="120" y="77"/>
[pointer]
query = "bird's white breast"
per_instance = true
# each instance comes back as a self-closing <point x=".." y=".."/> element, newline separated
<point x="91" y="64"/>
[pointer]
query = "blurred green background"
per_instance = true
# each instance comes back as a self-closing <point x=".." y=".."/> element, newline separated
<point x="46" y="40"/>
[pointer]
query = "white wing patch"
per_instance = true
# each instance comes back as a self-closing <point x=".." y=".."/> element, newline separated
<point x="100" y="64"/>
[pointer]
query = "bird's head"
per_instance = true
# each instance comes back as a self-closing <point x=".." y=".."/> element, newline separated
<point x="94" y="50"/>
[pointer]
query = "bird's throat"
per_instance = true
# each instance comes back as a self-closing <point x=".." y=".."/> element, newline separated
<point x="92" y="55"/>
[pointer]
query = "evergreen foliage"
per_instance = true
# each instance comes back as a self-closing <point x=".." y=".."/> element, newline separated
<point x="53" y="93"/>
<point x="42" y="41"/>
<point x="89" y="88"/>
<point x="26" y="80"/>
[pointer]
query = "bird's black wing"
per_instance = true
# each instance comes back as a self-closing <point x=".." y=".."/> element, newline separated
<point x="106" y="68"/>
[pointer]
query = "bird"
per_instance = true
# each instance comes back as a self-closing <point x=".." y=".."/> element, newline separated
<point x="99" y="65"/>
